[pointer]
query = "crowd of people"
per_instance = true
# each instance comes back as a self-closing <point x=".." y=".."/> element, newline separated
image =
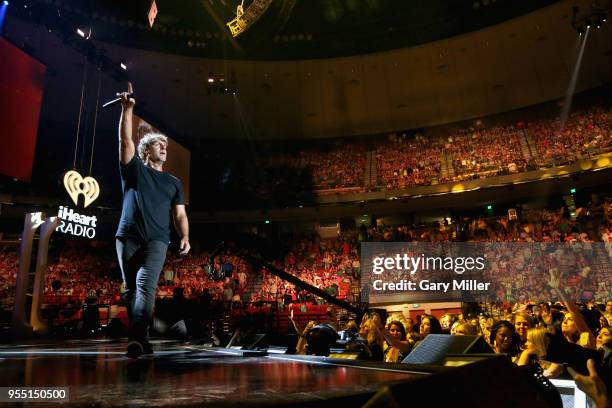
<point x="551" y="339"/>
<point x="333" y="264"/>
<point x="405" y="161"/>
<point x="485" y="152"/>
<point x="521" y="271"/>
<point x="328" y="264"/>
<point x="408" y="162"/>
<point x="538" y="335"/>
<point x="341" y="168"/>
<point x="79" y="274"/>
<point x="226" y="279"/>
<point x="9" y="263"/>
<point x="585" y="132"/>
<point x="548" y="339"/>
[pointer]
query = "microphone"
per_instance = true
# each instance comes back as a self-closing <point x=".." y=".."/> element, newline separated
<point x="116" y="101"/>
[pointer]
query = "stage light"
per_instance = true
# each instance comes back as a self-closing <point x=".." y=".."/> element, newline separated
<point x="573" y="191"/>
<point x="3" y="14"/>
<point x="123" y="66"/>
<point x="211" y="80"/>
<point x="83" y="34"/>
<point x="267" y="221"/>
<point x="489" y="207"/>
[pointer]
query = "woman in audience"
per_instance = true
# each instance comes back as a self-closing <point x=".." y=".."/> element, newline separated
<point x="522" y="323"/>
<point x="604" y="338"/>
<point x="396" y="346"/>
<point x="486" y="326"/>
<point x="503" y="339"/>
<point x="535" y="346"/>
<point x="413" y="338"/>
<point x="370" y="332"/>
<point x="429" y="325"/>
<point x="575" y="329"/>
<point x="604" y="347"/>
<point x="300" y="348"/>
<point x="535" y="349"/>
<point x="446" y="322"/>
<point x="463" y="328"/>
<point x="569" y="329"/>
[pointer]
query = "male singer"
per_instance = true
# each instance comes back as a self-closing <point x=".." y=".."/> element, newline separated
<point x="149" y="196"/>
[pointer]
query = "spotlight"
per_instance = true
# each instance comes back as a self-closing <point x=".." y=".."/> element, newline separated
<point x="6" y="3"/>
<point x="83" y="34"/>
<point x="123" y="66"/>
<point x="211" y="80"/>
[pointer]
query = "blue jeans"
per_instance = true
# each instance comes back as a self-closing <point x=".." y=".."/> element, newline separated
<point x="141" y="265"/>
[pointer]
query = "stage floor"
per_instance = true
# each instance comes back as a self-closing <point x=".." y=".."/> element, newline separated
<point x="98" y="373"/>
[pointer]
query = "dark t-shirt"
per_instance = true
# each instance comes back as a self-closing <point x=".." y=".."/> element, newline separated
<point x="148" y="197"/>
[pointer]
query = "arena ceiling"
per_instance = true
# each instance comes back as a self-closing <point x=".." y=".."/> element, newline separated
<point x="288" y="29"/>
<point x="519" y="62"/>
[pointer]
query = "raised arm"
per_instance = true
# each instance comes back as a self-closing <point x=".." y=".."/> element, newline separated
<point x="586" y="335"/>
<point x="297" y="328"/>
<point x="403" y="345"/>
<point x="181" y="223"/>
<point x="126" y="143"/>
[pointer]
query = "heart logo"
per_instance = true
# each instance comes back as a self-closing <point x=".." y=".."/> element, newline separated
<point x="75" y="185"/>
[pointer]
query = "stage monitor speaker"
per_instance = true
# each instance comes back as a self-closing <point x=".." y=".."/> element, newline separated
<point x="435" y="347"/>
<point x="490" y="382"/>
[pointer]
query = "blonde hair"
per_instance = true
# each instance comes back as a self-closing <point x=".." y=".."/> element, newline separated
<point x="468" y="328"/>
<point x="373" y="333"/>
<point x="300" y="347"/>
<point x="538" y="337"/>
<point x="147" y="140"/>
